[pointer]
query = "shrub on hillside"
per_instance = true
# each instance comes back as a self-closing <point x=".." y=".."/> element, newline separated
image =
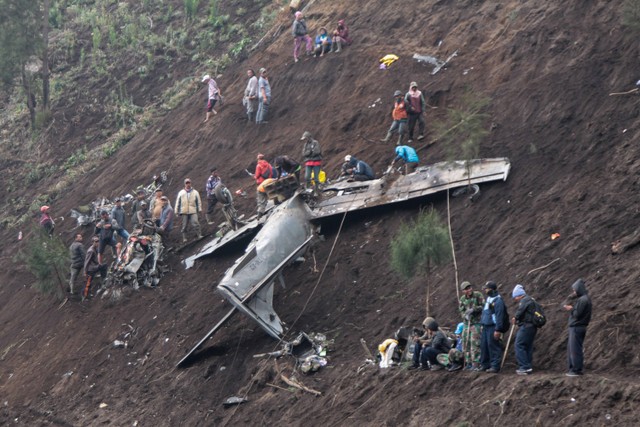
<point x="420" y="245"/>
<point x="47" y="258"/>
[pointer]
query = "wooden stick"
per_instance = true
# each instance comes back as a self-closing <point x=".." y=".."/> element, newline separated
<point x="625" y="93"/>
<point x="453" y="251"/>
<point x="506" y="349"/>
<point x="277" y="386"/>
<point x="544" y="266"/>
<point x="366" y="349"/>
<point x="296" y="384"/>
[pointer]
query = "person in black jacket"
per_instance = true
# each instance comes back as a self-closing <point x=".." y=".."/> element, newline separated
<point x="526" y="330"/>
<point x="429" y="349"/>
<point x="493" y="326"/>
<point x="579" y="319"/>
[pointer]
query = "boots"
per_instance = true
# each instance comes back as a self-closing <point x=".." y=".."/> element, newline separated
<point x="386" y="138"/>
<point x="184" y="237"/>
<point x="400" y="138"/>
<point x="339" y="46"/>
<point x="206" y="216"/>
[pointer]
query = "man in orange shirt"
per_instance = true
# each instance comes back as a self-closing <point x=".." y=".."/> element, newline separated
<point x="263" y="171"/>
<point x="400" y="117"/>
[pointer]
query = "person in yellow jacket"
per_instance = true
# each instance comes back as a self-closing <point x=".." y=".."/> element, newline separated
<point x="188" y="206"/>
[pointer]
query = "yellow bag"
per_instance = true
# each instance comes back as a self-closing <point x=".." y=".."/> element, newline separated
<point x="322" y="177"/>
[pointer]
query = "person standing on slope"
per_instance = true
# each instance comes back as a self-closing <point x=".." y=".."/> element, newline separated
<point x="300" y="34"/>
<point x="312" y="157"/>
<point x="579" y="318"/>
<point x="264" y="97"/>
<point x="416" y="106"/>
<point x="214" y="95"/>
<point x="250" y="99"/>
<point x="188" y="205"/>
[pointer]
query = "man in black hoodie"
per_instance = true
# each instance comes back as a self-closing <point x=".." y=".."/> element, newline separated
<point x="580" y="315"/>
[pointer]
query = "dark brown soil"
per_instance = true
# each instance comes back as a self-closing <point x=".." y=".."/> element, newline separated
<point x="548" y="68"/>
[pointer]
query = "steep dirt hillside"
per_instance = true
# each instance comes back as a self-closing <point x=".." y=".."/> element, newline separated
<point x="548" y="68"/>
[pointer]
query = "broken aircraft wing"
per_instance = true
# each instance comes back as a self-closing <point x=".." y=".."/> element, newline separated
<point x="425" y="180"/>
<point x="248" y="284"/>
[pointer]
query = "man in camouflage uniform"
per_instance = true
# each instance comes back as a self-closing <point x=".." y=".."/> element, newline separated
<point x="471" y="304"/>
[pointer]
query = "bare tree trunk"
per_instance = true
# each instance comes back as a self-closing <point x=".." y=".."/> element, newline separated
<point x="45" y="56"/>
<point x="428" y="286"/>
<point x="453" y="250"/>
<point x="31" y="98"/>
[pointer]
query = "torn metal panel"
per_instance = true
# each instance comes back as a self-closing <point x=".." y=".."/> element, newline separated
<point x="438" y="63"/>
<point x="219" y="242"/>
<point x="425" y="180"/>
<point x="248" y="284"/>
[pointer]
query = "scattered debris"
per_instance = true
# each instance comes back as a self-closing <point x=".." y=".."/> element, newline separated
<point x="102" y="405"/>
<point x="439" y="64"/>
<point x="554" y="236"/>
<point x="120" y="344"/>
<point x="295" y="383"/>
<point x="234" y="400"/>
<point x="387" y="60"/>
<point x="544" y="266"/>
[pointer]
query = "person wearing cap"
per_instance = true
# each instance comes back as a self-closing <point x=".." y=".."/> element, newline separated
<point x="166" y="217"/>
<point x="285" y="165"/>
<point x="357" y="169"/>
<point x="526" y="334"/>
<point x="399" y="115"/>
<point x="416" y="107"/>
<point x="579" y="318"/>
<point x="78" y="256"/>
<point x="93" y="264"/>
<point x="264" y="171"/>
<point x="470" y="308"/>
<point x="300" y="34"/>
<point x="250" y="99"/>
<point x="105" y="229"/>
<point x="323" y="42"/>
<point x="493" y="326"/>
<point x="188" y="206"/>
<point x="46" y="222"/>
<point x="214" y="95"/>
<point x="312" y="158"/>
<point x="135" y="206"/>
<point x="118" y="214"/>
<point x="429" y="346"/>
<point x="210" y="187"/>
<point x="408" y="156"/>
<point x="341" y="36"/>
<point x="264" y="97"/>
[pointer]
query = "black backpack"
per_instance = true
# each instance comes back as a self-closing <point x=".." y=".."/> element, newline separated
<point x="506" y="320"/>
<point x="539" y="319"/>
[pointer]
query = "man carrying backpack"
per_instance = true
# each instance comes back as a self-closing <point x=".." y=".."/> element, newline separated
<point x="495" y="322"/>
<point x="524" y="318"/>
<point x="579" y="318"/>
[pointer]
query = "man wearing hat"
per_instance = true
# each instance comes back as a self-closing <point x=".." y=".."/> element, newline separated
<point x="470" y="308"/>
<point x="312" y="157"/>
<point x="526" y="330"/>
<point x="214" y="95"/>
<point x="359" y="170"/>
<point x="428" y="349"/>
<point x="416" y="109"/>
<point x="264" y="97"/>
<point x="493" y="326"/>
<point x="399" y="115"/>
<point x="46" y="222"/>
<point x="118" y="214"/>
<point x="188" y="206"/>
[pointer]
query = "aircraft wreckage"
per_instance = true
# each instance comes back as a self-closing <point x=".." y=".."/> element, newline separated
<point x="249" y="284"/>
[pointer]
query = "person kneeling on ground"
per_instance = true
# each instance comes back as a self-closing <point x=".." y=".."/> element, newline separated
<point x="359" y="170"/>
<point x="408" y="156"/>
<point x="454" y="360"/>
<point x="428" y="349"/>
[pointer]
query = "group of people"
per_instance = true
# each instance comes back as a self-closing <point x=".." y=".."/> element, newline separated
<point x="479" y="344"/>
<point x="324" y="42"/>
<point x="408" y="109"/>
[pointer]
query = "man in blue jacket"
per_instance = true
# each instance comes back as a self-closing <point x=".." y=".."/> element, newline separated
<point x="408" y="156"/>
<point x="359" y="170"/>
<point x="494" y="322"/>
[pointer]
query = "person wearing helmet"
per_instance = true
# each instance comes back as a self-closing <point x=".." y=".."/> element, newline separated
<point x="470" y="308"/>
<point x="357" y="169"/>
<point x="105" y="230"/>
<point x="46" y="222"/>
<point x="400" y="117"/>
